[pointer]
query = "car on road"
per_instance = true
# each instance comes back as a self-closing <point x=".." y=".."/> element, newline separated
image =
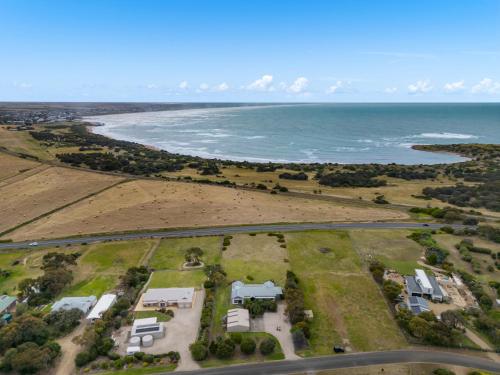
<point x="426" y="225"/>
<point x="33" y="244"/>
<point x="338" y="349"/>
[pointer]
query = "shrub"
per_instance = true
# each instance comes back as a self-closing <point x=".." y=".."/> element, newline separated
<point x="199" y="351"/>
<point x="248" y="345"/>
<point x="236" y="337"/>
<point x="267" y="346"/>
<point x="225" y="349"/>
<point x="149" y="358"/>
<point x="82" y="359"/>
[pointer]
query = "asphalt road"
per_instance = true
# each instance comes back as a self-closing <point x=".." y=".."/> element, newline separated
<point x="310" y="365"/>
<point x="215" y="231"/>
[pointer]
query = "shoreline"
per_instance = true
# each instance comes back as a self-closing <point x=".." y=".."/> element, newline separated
<point x="89" y="126"/>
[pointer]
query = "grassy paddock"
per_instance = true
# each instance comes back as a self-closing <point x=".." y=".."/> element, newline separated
<point x="346" y="302"/>
<point x="96" y="286"/>
<point x="180" y="279"/>
<point x="392" y="247"/>
<point x="170" y="253"/>
<point x="152" y="314"/>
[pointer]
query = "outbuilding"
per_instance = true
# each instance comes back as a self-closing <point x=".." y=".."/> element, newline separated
<point x="104" y="303"/>
<point x="238" y="320"/>
<point x="84" y="304"/>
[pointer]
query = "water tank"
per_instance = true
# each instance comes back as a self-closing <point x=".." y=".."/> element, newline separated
<point x="147" y="341"/>
<point x="135" y="341"/>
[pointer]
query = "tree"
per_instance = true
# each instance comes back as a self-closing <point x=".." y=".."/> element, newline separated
<point x="267" y="346"/>
<point x="377" y="269"/>
<point x="29" y="358"/>
<point x="225" y="349"/>
<point x="392" y="289"/>
<point x="419" y="327"/>
<point x="199" y="351"/>
<point x="63" y="321"/>
<point x="248" y="345"/>
<point x="23" y="329"/>
<point x="452" y="318"/>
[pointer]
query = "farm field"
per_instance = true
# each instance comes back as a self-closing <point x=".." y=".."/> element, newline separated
<point x="170" y="252"/>
<point x="255" y="259"/>
<point x="341" y="293"/>
<point x="449" y="241"/>
<point x="47" y="190"/>
<point x="11" y="166"/>
<point x="391" y="247"/>
<point x="142" y="204"/>
<point x="22" y="142"/>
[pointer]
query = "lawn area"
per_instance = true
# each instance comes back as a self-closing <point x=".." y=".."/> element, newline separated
<point x="142" y="370"/>
<point x="115" y="256"/>
<point x="259" y="257"/>
<point x="222" y="304"/>
<point x="392" y="247"/>
<point x="242" y="358"/>
<point x="161" y="317"/>
<point x="179" y="279"/>
<point x="96" y="286"/>
<point x="170" y="253"/>
<point x="346" y="302"/>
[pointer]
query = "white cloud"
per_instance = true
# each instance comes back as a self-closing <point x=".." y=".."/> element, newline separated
<point x="262" y="84"/>
<point x="298" y="85"/>
<point x="337" y="87"/>
<point x="203" y="87"/>
<point x="152" y="86"/>
<point x="222" y="87"/>
<point x="420" y="87"/>
<point x="454" y="86"/>
<point x="487" y="86"/>
<point x="184" y="85"/>
<point x="391" y="90"/>
<point x="23" y="85"/>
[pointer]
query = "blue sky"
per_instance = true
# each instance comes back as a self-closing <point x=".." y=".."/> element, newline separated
<point x="338" y="51"/>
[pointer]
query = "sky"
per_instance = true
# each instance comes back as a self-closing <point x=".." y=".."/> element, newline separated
<point x="250" y="51"/>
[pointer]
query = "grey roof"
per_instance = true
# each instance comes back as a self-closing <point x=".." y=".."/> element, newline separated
<point x="418" y="301"/>
<point x="173" y="295"/>
<point x="412" y="285"/>
<point x="5" y="302"/>
<point x="81" y="303"/>
<point x="416" y="310"/>
<point x="244" y="291"/>
<point x="436" y="289"/>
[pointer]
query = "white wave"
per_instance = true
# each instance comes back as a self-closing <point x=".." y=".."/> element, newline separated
<point x="255" y="137"/>
<point x="445" y="135"/>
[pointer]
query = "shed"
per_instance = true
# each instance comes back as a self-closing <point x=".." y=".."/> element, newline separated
<point x="104" y="303"/>
<point x="238" y="320"/>
<point x="7" y="303"/>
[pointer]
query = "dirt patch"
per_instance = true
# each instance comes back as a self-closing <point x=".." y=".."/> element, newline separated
<point x="138" y="205"/>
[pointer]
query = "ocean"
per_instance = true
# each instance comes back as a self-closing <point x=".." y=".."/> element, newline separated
<point x="337" y="133"/>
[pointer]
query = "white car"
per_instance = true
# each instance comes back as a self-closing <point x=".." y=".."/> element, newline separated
<point x="33" y="244"/>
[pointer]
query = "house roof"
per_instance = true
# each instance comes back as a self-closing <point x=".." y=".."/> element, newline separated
<point x="238" y="317"/>
<point x="144" y="321"/>
<point x="266" y="290"/>
<point x="6" y="301"/>
<point x="423" y="278"/>
<point x="436" y="289"/>
<point x="80" y="303"/>
<point x="418" y="301"/>
<point x="156" y="295"/>
<point x="412" y="286"/>
<point x="104" y="303"/>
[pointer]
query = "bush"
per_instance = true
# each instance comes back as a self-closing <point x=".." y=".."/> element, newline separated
<point x="236" y="337"/>
<point x="82" y="359"/>
<point x="199" y="351"/>
<point x="248" y="345"/>
<point x="442" y="371"/>
<point x="149" y="358"/>
<point x="139" y="355"/>
<point x="225" y="349"/>
<point x="118" y="364"/>
<point x="267" y="346"/>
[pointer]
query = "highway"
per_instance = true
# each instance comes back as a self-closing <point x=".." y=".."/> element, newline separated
<point x="310" y="365"/>
<point x="217" y="231"/>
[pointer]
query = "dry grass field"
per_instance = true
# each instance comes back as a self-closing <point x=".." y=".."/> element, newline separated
<point x="30" y="197"/>
<point x="22" y="142"/>
<point x="11" y="166"/>
<point x="143" y="204"/>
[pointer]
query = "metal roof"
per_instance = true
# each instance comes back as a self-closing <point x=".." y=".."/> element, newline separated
<point x="104" y="303"/>
<point x="5" y="302"/>
<point x="266" y="290"/>
<point x="436" y="289"/>
<point x="412" y="286"/>
<point x="81" y="303"/>
<point x="173" y="295"/>
<point x="423" y="278"/>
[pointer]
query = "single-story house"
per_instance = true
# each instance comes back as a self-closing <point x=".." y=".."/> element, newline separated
<point x="7" y="303"/>
<point x="84" y="304"/>
<point x="267" y="291"/>
<point x="423" y="285"/>
<point x="163" y="297"/>
<point x="104" y="303"/>
<point x="147" y="326"/>
<point x="418" y="305"/>
<point x="238" y="320"/>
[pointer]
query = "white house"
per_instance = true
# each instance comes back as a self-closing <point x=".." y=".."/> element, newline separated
<point x="104" y="303"/>
<point x="164" y="297"/>
<point x="238" y="320"/>
<point x="241" y="292"/>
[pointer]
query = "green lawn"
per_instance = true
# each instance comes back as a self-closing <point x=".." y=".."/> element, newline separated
<point x="161" y="317"/>
<point x="222" y="304"/>
<point x="346" y="302"/>
<point x="392" y="247"/>
<point x="242" y="358"/>
<point x="142" y="370"/>
<point x="170" y="253"/>
<point x="115" y="256"/>
<point x="255" y="259"/>
<point x="180" y="279"/>
<point x="96" y="286"/>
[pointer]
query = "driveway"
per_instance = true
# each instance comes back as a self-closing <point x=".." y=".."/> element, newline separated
<point x="66" y="364"/>
<point x="270" y="321"/>
<point x="181" y="331"/>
